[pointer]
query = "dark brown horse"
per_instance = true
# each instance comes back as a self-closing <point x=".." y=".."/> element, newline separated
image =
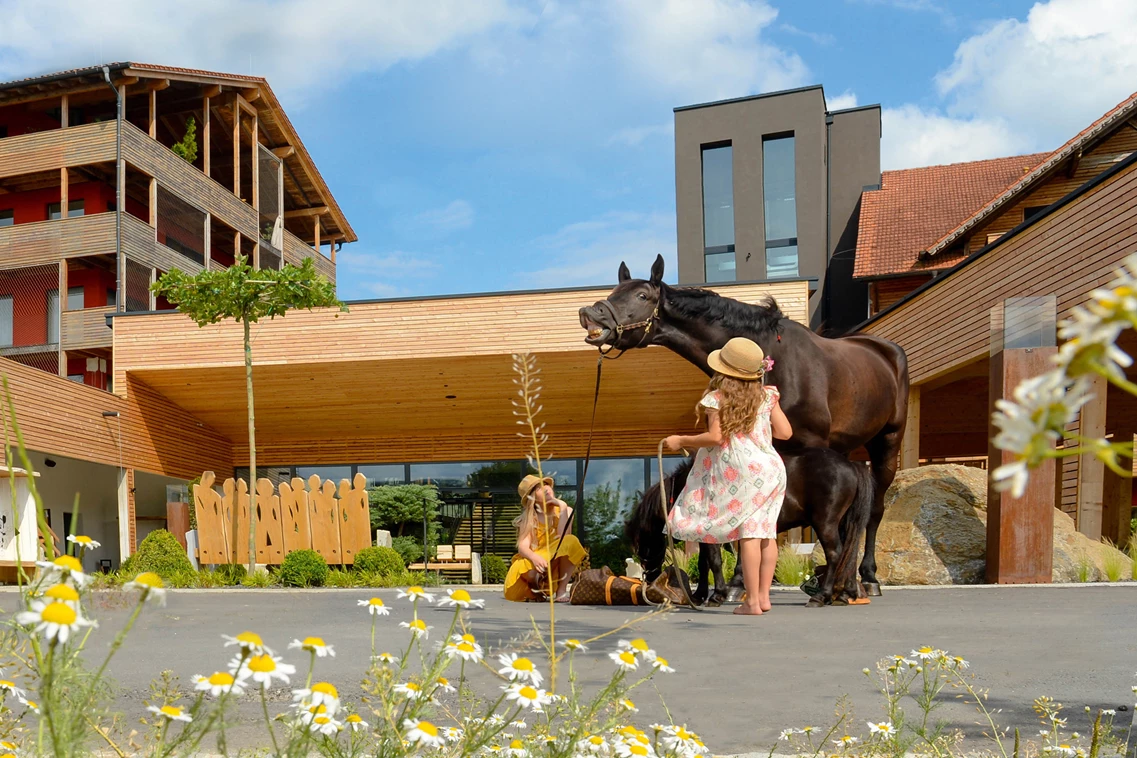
<point x="824" y="490"/>
<point x="840" y="393"/>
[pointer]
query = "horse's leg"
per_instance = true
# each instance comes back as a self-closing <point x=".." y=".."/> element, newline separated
<point x="883" y="452"/>
<point x="737" y="587"/>
<point x="829" y="535"/>
<point x="703" y="590"/>
<point x="714" y="554"/>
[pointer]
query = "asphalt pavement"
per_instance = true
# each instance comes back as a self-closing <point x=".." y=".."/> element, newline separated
<point x="738" y="682"/>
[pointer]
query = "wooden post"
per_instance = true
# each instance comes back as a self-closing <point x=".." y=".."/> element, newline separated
<point x="205" y="135"/>
<point x="1117" y="498"/>
<point x="207" y="242"/>
<point x="64" y="193"/>
<point x="64" y="112"/>
<point x="236" y="147"/>
<point x="236" y="245"/>
<point x="153" y="100"/>
<point x="256" y="170"/>
<point x="910" y="448"/>
<point x="1091" y="471"/>
<point x="153" y="298"/>
<point x="154" y="203"/>
<point x="127" y="525"/>
<point x="62" y="307"/>
<point x="316" y="233"/>
<point x="1020" y="532"/>
<point x="120" y="191"/>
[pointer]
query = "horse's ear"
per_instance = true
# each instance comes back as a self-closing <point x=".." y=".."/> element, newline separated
<point x="624" y="274"/>
<point x="657" y="270"/>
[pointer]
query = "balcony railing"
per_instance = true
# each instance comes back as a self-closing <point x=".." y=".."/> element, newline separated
<point x="50" y="241"/>
<point x="57" y="148"/>
<point x="296" y="250"/>
<point x="86" y="329"/>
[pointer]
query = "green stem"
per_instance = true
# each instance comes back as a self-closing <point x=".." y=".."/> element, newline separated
<point x="268" y="721"/>
<point x="311" y="668"/>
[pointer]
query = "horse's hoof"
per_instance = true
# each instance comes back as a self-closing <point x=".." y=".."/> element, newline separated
<point x="815" y="602"/>
<point x="872" y="589"/>
<point x="735" y="594"/>
<point x="713" y="602"/>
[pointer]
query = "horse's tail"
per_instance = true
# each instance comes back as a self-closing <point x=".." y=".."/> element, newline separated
<point x="644" y="527"/>
<point x="853" y="525"/>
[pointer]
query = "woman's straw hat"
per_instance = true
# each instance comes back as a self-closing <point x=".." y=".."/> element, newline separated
<point x="530" y="483"/>
<point x="740" y="358"/>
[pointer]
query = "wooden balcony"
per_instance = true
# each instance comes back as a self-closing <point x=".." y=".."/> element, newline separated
<point x="51" y="241"/>
<point x="57" y="148"/>
<point x="140" y="243"/>
<point x="296" y="250"/>
<point x="85" y="329"/>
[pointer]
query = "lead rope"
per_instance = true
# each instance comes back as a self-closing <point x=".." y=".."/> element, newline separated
<point x="663" y="503"/>
<point x="587" y="455"/>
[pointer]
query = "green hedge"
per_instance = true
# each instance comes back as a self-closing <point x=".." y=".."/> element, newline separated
<point x="303" y="568"/>
<point x="493" y="569"/>
<point x="384" y="561"/>
<point x="161" y="553"/>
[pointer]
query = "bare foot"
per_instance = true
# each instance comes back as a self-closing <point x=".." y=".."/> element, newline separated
<point x="765" y="605"/>
<point x="746" y="609"/>
<point x="561" y="599"/>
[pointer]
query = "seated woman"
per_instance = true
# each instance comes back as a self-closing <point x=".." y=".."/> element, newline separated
<point x="543" y="520"/>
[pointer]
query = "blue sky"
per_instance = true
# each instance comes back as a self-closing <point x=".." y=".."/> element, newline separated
<point x="481" y="145"/>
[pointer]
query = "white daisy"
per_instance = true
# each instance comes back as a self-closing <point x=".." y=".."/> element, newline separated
<point x="31" y="705"/>
<point x="57" y="620"/>
<point x="519" y="725"/>
<point x="355" y="722"/>
<point x="959" y="663"/>
<point x="83" y="541"/>
<point x="625" y="660"/>
<point x="627" y="705"/>
<point x="925" y="653"/>
<point x="443" y="684"/>
<point x="845" y="741"/>
<point x="249" y="642"/>
<point x="633" y="749"/>
<point x="150" y="585"/>
<point x="417" y="627"/>
<point x="678" y="740"/>
<point x="314" y="645"/>
<point x="462" y="599"/>
<point x="376" y="607"/>
<point x="453" y="734"/>
<point x="220" y="683"/>
<point x="638" y="647"/>
<point x="171" y="713"/>
<point x="662" y="665"/>
<point x="787" y="734"/>
<point x="64" y="567"/>
<point x="264" y="668"/>
<point x="594" y="744"/>
<point x="519" y="669"/>
<point x="883" y="728"/>
<point x="416" y="593"/>
<point x="410" y="690"/>
<point x="320" y="693"/>
<point x="517" y="749"/>
<point x="8" y="687"/>
<point x="526" y="695"/>
<point x="325" y="725"/>
<point x="386" y="658"/>
<point x="574" y="645"/>
<point x="464" y="647"/>
<point x="496" y="719"/>
<point x="423" y="733"/>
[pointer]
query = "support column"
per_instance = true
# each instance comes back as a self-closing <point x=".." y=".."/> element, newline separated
<point x="151" y="295"/>
<point x="236" y="245"/>
<point x="207" y="242"/>
<point x="152" y="98"/>
<point x="910" y="448"/>
<point x="127" y="525"/>
<point x="1020" y="532"/>
<point x="64" y="192"/>
<point x="316" y="233"/>
<point x="62" y="307"/>
<point x="205" y="135"/>
<point x="1117" y="498"/>
<point x="236" y="147"/>
<point x="64" y="112"/>
<point x="256" y="169"/>
<point x="1091" y="471"/>
<point x="154" y="203"/>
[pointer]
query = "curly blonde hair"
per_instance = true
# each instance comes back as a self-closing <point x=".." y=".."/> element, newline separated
<point x="739" y="402"/>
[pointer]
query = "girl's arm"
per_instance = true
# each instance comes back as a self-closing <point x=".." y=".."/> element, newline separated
<point x="566" y="514"/>
<point x="710" y="438"/>
<point x="525" y="549"/>
<point x="780" y="425"/>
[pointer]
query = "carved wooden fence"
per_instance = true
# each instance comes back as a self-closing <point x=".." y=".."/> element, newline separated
<point x="297" y="515"/>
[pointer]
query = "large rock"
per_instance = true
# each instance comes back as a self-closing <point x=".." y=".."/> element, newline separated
<point x="935" y="532"/>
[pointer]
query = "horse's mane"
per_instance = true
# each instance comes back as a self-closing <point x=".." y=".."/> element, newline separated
<point x="733" y="315"/>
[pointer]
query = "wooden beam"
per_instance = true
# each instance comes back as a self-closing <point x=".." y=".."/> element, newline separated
<point x="62" y="306"/>
<point x="212" y="91"/>
<point x="910" y="447"/>
<point x="64" y="112"/>
<point x="39" y="96"/>
<point x="1072" y="165"/>
<point x="316" y="233"/>
<point x="153" y="120"/>
<point x="236" y="244"/>
<point x="256" y="168"/>
<point x="236" y="146"/>
<point x="127" y="526"/>
<point x="315" y="210"/>
<point x="156" y="85"/>
<point x="154" y="203"/>
<point x="126" y="81"/>
<point x="207" y="241"/>
<point x="1091" y="471"/>
<point x="205" y="144"/>
<point x="283" y="152"/>
<point x="252" y="94"/>
<point x="64" y="192"/>
<point x="244" y="105"/>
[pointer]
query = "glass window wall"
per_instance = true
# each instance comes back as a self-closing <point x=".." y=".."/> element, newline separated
<point x="780" y="207"/>
<point x="718" y="213"/>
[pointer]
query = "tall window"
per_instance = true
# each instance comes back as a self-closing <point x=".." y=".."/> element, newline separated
<point x="779" y="196"/>
<point x="53" y="316"/>
<point x="7" y="217"/>
<point x="74" y="208"/>
<point x="718" y="213"/>
<point x="6" y="321"/>
<point x="75" y="299"/>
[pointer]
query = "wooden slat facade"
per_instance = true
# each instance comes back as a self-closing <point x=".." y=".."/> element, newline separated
<point x="1067" y="254"/>
<point x="57" y="148"/>
<point x="140" y="243"/>
<point x="296" y="250"/>
<point x="884" y="293"/>
<point x="85" y="329"/>
<point x="43" y="242"/>
<point x="63" y="418"/>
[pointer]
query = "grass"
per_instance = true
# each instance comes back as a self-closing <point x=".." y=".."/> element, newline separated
<point x="337" y="578"/>
<point x="792" y="568"/>
<point x="1086" y="571"/>
<point x="1113" y="562"/>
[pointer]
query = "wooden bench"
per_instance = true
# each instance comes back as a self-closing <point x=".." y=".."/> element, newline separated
<point x="448" y="558"/>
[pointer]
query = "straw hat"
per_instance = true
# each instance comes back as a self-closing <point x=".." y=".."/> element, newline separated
<point x="530" y="483"/>
<point x="740" y="358"/>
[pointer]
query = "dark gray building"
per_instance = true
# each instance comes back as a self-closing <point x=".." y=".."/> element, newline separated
<point x="769" y="187"/>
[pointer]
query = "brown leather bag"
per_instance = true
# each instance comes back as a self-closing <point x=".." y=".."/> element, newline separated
<point x="602" y="587"/>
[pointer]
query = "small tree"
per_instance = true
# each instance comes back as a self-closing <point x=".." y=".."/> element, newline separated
<point x="187" y="147"/>
<point x="240" y="292"/>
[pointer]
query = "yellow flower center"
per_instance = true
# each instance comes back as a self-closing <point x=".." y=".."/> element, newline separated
<point x="516" y="745"/>
<point x="250" y="638"/>
<point x="261" y="664"/>
<point x="572" y="643"/>
<point x="221" y="678"/>
<point x="418" y="624"/>
<point x="523" y="664"/>
<point x="468" y="638"/>
<point x="354" y="718"/>
<point x="378" y="601"/>
<point x="82" y="539"/>
<point x="62" y="592"/>
<point x="637" y="749"/>
<point x="321" y="708"/>
<point x="69" y="563"/>
<point x="628" y="657"/>
<point x="415" y="591"/>
<point x="925" y="650"/>
<point x="413" y="687"/>
<point x="325" y="688"/>
<point x="661" y="661"/>
<point x="465" y="647"/>
<point x="6" y="684"/>
<point x="312" y="642"/>
<point x="461" y="596"/>
<point x="426" y="727"/>
<point x="154" y="582"/>
<point x="640" y="645"/>
<point x="596" y="739"/>
<point x="322" y="719"/>
<point x="683" y="734"/>
<point x="528" y="693"/>
<point x="32" y="704"/>
<point x="172" y="711"/>
<point x="59" y="613"/>
<point x="444" y="681"/>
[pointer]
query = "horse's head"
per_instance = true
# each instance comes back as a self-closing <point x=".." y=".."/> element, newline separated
<point x="627" y="317"/>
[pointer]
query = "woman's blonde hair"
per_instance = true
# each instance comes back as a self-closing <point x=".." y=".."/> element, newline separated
<point x="526" y="521"/>
<point x="739" y="401"/>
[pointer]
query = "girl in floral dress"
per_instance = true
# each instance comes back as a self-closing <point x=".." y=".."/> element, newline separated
<point x="738" y="481"/>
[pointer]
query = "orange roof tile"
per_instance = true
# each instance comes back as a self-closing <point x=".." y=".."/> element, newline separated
<point x="917" y="206"/>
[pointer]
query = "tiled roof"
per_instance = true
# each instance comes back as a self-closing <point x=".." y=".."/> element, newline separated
<point x="917" y="206"/>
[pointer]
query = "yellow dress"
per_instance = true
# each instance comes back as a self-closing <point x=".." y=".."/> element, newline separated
<point x="516" y="588"/>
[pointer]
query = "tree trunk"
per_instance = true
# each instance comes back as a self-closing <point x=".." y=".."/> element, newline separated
<point x="252" y="451"/>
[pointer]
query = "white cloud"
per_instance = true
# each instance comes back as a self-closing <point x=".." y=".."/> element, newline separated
<point x="590" y="252"/>
<point x="454" y="217"/>
<point x="297" y="44"/>
<point x="846" y="99"/>
<point x="635" y="136"/>
<point x="912" y="136"/>
<point x="817" y="38"/>
<point x="363" y="274"/>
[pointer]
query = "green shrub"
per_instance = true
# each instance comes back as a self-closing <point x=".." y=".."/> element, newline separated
<point x="792" y="568"/>
<point x="1085" y="570"/>
<point x="232" y="573"/>
<point x="260" y="578"/>
<point x="408" y="548"/>
<point x="380" y="560"/>
<point x="182" y="579"/>
<point x="161" y="553"/>
<point x="340" y="578"/>
<point x="303" y="568"/>
<point x="728" y="564"/>
<point x="209" y="580"/>
<point x="493" y="569"/>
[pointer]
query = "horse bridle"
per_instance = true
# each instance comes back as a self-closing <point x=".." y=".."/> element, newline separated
<point x="646" y="324"/>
